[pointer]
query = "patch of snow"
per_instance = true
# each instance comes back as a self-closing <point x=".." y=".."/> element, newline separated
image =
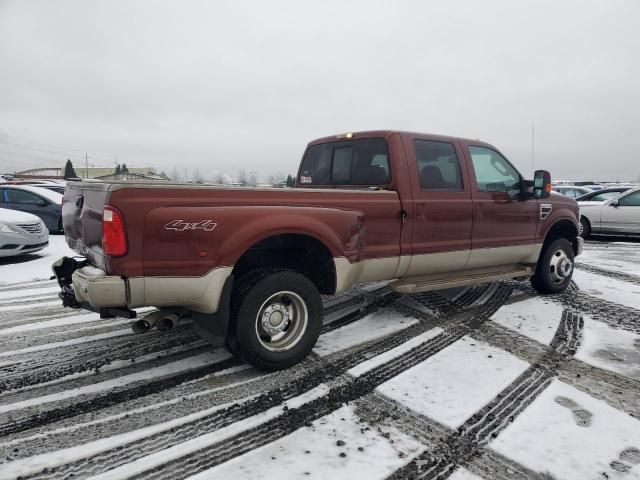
<point x="547" y="437"/>
<point x="625" y="260"/>
<point x="33" y="292"/>
<point x="609" y="348"/>
<point x="617" y="291"/>
<point x="67" y="343"/>
<point x="157" y="372"/>
<point x="394" y="352"/>
<point x="464" y="474"/>
<point x="456" y="382"/>
<point x="14" y="308"/>
<point x="35" y="464"/>
<point x="211" y="438"/>
<point x="314" y="451"/>
<point x="14" y="270"/>
<point x="374" y="325"/>
<point x="536" y="318"/>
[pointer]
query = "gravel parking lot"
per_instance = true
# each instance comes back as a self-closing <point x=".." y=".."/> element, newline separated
<point x="494" y="382"/>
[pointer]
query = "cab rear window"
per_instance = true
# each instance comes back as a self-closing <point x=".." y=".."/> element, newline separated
<point x="348" y="162"/>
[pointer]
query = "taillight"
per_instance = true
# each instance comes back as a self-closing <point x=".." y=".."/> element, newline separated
<point x="114" y="233"/>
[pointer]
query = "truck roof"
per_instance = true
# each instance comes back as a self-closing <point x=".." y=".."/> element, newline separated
<point x="387" y="133"/>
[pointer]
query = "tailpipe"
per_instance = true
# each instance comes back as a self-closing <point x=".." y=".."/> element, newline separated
<point x="162" y="319"/>
<point x="167" y="322"/>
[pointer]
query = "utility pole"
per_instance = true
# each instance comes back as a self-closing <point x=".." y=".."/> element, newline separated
<point x="86" y="165"/>
<point x="533" y="152"/>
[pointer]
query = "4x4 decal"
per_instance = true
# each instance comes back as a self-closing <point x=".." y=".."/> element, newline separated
<point x="181" y="225"/>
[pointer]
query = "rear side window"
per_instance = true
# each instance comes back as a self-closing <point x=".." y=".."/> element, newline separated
<point x="603" y="196"/>
<point x="349" y="162"/>
<point x="631" y="200"/>
<point x="438" y="166"/>
<point x="493" y="172"/>
<point x="20" y="196"/>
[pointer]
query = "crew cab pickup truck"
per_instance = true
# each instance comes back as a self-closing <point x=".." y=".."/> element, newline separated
<point x="249" y="265"/>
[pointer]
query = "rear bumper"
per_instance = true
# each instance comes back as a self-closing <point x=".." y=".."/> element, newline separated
<point x="93" y="286"/>
<point x="85" y="286"/>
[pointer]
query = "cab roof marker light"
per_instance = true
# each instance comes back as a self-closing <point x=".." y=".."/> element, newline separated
<point x="345" y="135"/>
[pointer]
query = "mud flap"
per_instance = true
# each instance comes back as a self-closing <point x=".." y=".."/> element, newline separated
<point x="213" y="327"/>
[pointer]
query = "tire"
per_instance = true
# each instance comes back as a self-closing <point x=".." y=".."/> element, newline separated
<point x="276" y="318"/>
<point x="585" y="228"/>
<point x="555" y="267"/>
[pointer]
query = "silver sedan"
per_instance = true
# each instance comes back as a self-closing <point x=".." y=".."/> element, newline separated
<point x="616" y="216"/>
<point x="21" y="233"/>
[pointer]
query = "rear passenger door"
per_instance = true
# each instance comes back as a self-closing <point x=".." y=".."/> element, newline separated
<point x="441" y="206"/>
<point x="504" y="228"/>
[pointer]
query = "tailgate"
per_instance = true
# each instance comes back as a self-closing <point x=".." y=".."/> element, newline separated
<point x="82" y="218"/>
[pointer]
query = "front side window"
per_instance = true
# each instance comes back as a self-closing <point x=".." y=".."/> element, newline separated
<point x="631" y="200"/>
<point x="493" y="172"/>
<point x="349" y="162"/>
<point x="438" y="166"/>
<point x="20" y="196"/>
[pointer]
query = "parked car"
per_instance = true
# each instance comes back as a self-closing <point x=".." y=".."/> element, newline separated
<point x="21" y="233"/>
<point x="571" y="191"/>
<point x="424" y="212"/>
<point x="39" y="201"/>
<point x="602" y="195"/>
<point x="53" y="186"/>
<point x="617" y="216"/>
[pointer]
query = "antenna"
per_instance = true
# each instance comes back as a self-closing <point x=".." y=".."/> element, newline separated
<point x="533" y="151"/>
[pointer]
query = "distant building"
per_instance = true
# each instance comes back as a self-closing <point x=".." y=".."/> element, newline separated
<point x="98" y="173"/>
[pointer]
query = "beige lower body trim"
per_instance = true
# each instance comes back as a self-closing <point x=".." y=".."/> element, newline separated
<point x="201" y="294"/>
<point x="495" y="256"/>
<point x="390" y="268"/>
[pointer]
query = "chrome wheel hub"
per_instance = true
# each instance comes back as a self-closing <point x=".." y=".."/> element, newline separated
<point x="561" y="266"/>
<point x="282" y="321"/>
<point x="275" y="318"/>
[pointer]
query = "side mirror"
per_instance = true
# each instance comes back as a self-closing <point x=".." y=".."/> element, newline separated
<point x="541" y="184"/>
<point x="615" y="203"/>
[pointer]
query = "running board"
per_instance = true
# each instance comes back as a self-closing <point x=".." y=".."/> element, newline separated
<point x="441" y="281"/>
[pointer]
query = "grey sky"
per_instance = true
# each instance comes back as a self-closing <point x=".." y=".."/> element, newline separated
<point x="222" y="85"/>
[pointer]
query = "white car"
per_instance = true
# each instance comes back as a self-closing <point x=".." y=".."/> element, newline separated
<point x="21" y="233"/>
<point x="615" y="216"/>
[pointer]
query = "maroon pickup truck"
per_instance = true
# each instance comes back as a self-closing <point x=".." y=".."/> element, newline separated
<point x="248" y="265"/>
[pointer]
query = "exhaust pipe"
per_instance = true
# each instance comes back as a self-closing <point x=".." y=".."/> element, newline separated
<point x="167" y="322"/>
<point x="162" y="319"/>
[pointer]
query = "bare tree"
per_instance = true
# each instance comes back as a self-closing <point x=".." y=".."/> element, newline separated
<point x="197" y="176"/>
<point x="218" y="178"/>
<point x="243" y="178"/>
<point x="175" y="175"/>
<point x="253" y="179"/>
<point x="277" y="179"/>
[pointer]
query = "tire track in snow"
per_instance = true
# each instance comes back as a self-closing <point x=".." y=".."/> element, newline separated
<point x="613" y="314"/>
<point x="346" y="390"/>
<point x="618" y="391"/>
<point x="625" y="277"/>
<point x="325" y="371"/>
<point x="475" y="434"/>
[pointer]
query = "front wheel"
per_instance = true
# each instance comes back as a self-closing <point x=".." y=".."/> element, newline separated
<point x="555" y="267"/>
<point x="585" y="228"/>
<point x="277" y="319"/>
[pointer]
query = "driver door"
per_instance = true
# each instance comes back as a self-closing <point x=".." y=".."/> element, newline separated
<point x="622" y="216"/>
<point x="504" y="227"/>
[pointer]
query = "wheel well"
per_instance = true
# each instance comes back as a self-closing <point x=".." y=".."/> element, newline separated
<point x="562" y="229"/>
<point x="301" y="253"/>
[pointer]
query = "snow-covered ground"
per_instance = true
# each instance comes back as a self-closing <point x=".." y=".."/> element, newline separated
<point x="434" y="386"/>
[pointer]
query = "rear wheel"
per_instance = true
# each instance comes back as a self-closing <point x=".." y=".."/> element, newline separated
<point x="277" y="318"/>
<point x="585" y="228"/>
<point x="555" y="267"/>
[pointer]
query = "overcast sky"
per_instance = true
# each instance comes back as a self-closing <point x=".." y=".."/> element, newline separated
<point x="223" y="85"/>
